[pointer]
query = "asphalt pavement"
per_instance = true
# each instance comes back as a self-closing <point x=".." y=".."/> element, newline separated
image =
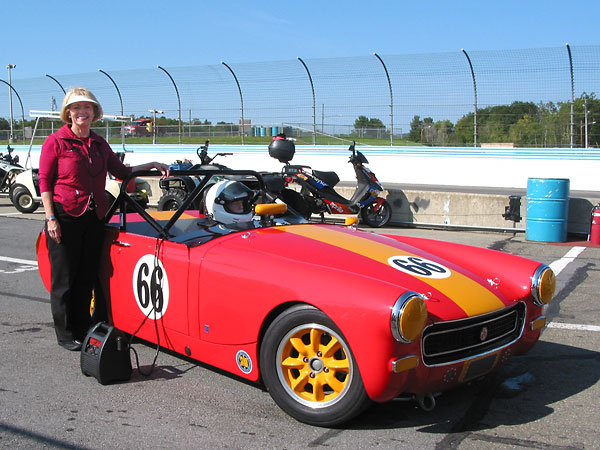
<point x="546" y="399"/>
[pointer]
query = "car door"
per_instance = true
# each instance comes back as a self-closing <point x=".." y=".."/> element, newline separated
<point x="148" y="282"/>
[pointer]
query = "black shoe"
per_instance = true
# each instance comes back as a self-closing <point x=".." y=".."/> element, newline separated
<point x="73" y="345"/>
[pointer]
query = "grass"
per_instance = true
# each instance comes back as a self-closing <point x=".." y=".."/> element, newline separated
<point x="236" y="140"/>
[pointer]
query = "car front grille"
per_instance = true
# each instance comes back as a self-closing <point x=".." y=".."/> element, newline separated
<point x="448" y="342"/>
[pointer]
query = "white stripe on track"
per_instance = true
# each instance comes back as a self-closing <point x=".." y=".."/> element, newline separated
<point x="18" y="261"/>
<point x="573" y="326"/>
<point x="558" y="265"/>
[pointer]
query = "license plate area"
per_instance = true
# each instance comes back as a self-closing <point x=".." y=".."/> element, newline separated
<point x="478" y="367"/>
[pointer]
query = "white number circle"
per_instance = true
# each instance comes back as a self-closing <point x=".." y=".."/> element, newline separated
<point x="420" y="267"/>
<point x="151" y="286"/>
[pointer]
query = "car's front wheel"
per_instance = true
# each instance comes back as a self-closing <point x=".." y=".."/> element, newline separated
<point x="309" y="370"/>
<point x="24" y="202"/>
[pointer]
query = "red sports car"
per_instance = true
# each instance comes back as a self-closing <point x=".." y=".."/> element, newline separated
<point x="328" y="317"/>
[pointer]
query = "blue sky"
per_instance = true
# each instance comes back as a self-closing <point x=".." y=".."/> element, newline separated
<point x="76" y="37"/>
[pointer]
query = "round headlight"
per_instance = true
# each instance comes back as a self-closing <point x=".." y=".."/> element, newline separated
<point x="409" y="316"/>
<point x="543" y="284"/>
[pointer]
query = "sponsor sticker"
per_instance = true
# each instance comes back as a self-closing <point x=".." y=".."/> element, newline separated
<point x="151" y="286"/>
<point x="420" y="267"/>
<point x="243" y="361"/>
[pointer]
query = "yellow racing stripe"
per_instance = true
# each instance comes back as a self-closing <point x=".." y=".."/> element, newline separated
<point x="470" y="296"/>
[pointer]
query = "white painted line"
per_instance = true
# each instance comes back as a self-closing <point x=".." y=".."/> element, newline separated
<point x="573" y="326"/>
<point x="558" y="265"/>
<point x="11" y="214"/>
<point x="18" y="261"/>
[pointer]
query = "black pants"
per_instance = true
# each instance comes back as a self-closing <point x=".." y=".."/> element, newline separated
<point x="74" y="262"/>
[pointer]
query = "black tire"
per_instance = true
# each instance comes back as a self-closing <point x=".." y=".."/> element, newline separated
<point x="172" y="200"/>
<point x="340" y="394"/>
<point x="13" y="190"/>
<point x="376" y="215"/>
<point x="24" y="202"/>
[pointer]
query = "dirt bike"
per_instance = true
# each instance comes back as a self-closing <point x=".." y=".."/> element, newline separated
<point x="176" y="187"/>
<point x="318" y="196"/>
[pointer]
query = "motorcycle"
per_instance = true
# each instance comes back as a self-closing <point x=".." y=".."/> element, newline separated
<point x="316" y="188"/>
<point x="176" y="188"/>
<point x="9" y="169"/>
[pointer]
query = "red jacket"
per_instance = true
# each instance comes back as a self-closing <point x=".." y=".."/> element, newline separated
<point x="72" y="171"/>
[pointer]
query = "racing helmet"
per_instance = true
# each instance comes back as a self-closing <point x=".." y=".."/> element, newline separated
<point x="282" y="149"/>
<point x="230" y="202"/>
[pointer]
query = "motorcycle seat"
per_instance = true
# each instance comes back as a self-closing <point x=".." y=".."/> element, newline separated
<point x="331" y="178"/>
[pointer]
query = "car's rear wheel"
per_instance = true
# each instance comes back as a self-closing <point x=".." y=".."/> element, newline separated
<point x="309" y="370"/>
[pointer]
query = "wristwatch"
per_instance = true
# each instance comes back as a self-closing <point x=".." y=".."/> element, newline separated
<point x="51" y="218"/>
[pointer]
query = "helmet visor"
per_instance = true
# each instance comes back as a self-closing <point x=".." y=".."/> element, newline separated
<point x="237" y="198"/>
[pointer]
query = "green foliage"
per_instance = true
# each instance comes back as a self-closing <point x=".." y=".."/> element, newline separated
<point x="365" y="127"/>
<point x="524" y="124"/>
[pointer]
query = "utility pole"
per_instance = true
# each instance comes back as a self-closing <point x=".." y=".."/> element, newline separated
<point x="11" y="136"/>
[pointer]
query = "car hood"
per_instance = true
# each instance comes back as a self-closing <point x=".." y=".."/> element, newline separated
<point x="452" y="290"/>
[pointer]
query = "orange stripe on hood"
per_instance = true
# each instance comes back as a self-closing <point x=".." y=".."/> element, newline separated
<point x="469" y="295"/>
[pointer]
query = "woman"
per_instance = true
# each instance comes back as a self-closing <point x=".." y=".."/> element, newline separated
<point x="73" y="166"/>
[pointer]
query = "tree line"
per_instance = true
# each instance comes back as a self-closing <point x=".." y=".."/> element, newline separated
<point x="524" y="124"/>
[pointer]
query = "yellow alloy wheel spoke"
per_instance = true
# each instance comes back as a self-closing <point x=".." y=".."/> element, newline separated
<point x="293" y="363"/>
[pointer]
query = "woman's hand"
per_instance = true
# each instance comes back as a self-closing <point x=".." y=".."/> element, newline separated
<point x="162" y="168"/>
<point x="53" y="228"/>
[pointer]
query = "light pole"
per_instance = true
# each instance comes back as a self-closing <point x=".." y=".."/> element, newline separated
<point x="154" y="113"/>
<point x="10" y="67"/>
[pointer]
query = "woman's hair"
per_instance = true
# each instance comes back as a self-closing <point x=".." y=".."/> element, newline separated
<point x="79" y="94"/>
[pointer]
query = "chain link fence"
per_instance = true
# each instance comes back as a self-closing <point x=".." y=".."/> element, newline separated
<point x="544" y="97"/>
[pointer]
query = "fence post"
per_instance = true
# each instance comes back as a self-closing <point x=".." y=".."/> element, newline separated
<point x="178" y="99"/>
<point x="57" y="82"/>
<point x="314" y="106"/>
<point x="572" y="132"/>
<point x="241" y="98"/>
<point x="120" y="101"/>
<point x="475" y="95"/>
<point x="391" y="99"/>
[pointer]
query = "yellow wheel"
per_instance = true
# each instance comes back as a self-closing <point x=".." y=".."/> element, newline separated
<point x="309" y="369"/>
<point x="314" y="365"/>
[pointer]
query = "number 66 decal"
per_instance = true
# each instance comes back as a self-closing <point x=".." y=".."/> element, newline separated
<point x="151" y="286"/>
<point x="420" y="267"/>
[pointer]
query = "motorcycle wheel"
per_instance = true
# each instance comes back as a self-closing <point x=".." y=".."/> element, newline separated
<point x="24" y="202"/>
<point x="375" y="214"/>
<point x="309" y="370"/>
<point x="172" y="200"/>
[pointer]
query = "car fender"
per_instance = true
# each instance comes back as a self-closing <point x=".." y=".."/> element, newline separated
<point x="348" y="302"/>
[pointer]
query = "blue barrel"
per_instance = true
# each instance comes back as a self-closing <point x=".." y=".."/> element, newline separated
<point x="274" y="131"/>
<point x="263" y="131"/>
<point x="547" y="209"/>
